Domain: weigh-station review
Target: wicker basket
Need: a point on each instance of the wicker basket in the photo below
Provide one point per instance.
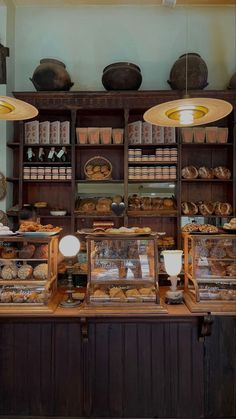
(98, 168)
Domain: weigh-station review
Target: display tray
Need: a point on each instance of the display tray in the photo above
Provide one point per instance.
(229, 230)
(118, 234)
(38, 233)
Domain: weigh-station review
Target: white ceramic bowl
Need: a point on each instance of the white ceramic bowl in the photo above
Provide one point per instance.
(58, 213)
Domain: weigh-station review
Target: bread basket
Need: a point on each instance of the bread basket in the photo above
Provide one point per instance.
(98, 168)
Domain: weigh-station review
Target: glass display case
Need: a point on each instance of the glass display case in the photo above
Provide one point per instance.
(210, 272)
(122, 269)
(28, 274)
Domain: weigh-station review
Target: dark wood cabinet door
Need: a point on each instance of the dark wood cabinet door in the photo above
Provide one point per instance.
(220, 369)
(40, 368)
(145, 369)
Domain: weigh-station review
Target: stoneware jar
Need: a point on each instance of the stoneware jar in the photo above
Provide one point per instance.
(51, 74)
(122, 76)
(197, 73)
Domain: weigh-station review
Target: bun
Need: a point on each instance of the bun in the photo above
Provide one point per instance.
(189, 208)
(103, 205)
(8, 253)
(9, 272)
(221, 172)
(100, 293)
(41, 252)
(135, 203)
(25, 272)
(168, 203)
(27, 251)
(157, 203)
(116, 292)
(189, 172)
(205, 173)
(231, 270)
(41, 271)
(87, 206)
(147, 203)
(132, 293)
(206, 208)
(218, 269)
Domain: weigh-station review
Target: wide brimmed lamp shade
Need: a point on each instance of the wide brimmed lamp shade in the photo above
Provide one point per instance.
(12, 109)
(188, 112)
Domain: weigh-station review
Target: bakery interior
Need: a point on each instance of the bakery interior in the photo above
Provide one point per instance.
(117, 209)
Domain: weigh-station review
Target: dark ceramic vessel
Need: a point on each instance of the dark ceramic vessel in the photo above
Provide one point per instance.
(122, 76)
(51, 74)
(196, 76)
(232, 82)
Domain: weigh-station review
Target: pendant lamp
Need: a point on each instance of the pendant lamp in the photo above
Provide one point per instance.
(187, 111)
(12, 109)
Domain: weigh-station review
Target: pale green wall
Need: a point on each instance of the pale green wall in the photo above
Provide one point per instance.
(87, 38)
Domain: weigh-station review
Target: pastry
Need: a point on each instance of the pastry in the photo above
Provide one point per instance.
(157, 203)
(190, 227)
(9, 272)
(103, 205)
(189, 208)
(207, 228)
(230, 252)
(117, 199)
(87, 206)
(205, 173)
(135, 203)
(100, 293)
(133, 292)
(206, 208)
(25, 272)
(218, 268)
(146, 203)
(41, 271)
(218, 252)
(18, 296)
(27, 251)
(116, 292)
(147, 291)
(231, 270)
(8, 253)
(168, 203)
(222, 172)
(189, 172)
(41, 252)
(6, 297)
(223, 208)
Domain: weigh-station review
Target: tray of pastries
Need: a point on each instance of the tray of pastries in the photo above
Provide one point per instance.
(123, 294)
(31, 228)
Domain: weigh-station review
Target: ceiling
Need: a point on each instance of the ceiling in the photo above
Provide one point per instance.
(117, 2)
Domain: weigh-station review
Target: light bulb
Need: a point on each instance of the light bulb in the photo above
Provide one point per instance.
(186, 117)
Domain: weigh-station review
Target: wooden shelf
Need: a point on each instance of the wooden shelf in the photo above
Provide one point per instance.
(152, 163)
(47, 145)
(46, 163)
(206, 216)
(98, 216)
(47, 181)
(175, 145)
(214, 145)
(12, 179)
(207, 180)
(152, 181)
(22, 259)
(100, 181)
(110, 146)
(13, 144)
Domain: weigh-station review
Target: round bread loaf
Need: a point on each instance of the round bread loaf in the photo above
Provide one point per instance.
(205, 172)
(222, 172)
(189, 172)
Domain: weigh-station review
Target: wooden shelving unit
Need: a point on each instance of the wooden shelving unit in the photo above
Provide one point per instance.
(116, 110)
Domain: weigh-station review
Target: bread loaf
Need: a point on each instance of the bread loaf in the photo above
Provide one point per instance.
(206, 208)
(189, 208)
(205, 173)
(223, 208)
(27, 251)
(25, 272)
(221, 172)
(189, 172)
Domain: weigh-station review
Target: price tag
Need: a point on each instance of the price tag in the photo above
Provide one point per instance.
(60, 154)
(203, 261)
(30, 153)
(50, 154)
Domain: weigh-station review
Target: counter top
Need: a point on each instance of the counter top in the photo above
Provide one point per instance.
(83, 310)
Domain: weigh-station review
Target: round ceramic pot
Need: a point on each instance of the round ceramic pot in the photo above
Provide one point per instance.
(51, 74)
(196, 75)
(122, 76)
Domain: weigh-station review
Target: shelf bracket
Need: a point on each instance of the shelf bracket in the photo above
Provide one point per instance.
(205, 326)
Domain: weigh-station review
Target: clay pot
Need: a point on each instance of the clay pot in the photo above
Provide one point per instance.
(122, 76)
(197, 73)
(232, 82)
(51, 74)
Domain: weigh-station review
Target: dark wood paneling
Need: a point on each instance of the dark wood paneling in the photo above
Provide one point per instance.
(154, 368)
(220, 369)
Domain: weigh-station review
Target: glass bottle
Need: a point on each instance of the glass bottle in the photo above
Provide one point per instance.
(52, 155)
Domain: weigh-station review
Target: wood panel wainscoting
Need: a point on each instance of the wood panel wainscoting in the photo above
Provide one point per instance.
(117, 367)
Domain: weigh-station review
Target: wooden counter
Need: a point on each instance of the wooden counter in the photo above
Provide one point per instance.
(81, 363)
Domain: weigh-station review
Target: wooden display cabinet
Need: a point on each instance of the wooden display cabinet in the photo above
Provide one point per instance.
(28, 291)
(210, 272)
